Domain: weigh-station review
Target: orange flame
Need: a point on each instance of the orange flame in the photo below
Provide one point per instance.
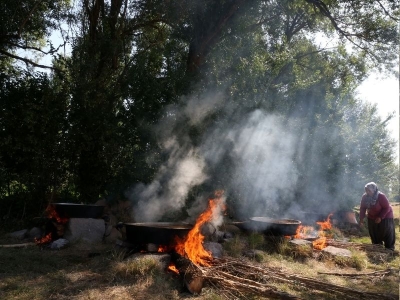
(44, 240)
(52, 214)
(326, 224)
(192, 245)
(304, 231)
(172, 268)
(162, 249)
(321, 242)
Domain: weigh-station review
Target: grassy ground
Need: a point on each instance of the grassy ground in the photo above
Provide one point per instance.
(102, 271)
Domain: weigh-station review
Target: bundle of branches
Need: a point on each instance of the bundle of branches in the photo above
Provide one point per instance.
(236, 278)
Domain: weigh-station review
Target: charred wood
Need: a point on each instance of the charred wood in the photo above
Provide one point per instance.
(191, 275)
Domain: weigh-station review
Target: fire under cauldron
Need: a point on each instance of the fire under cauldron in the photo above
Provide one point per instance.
(160, 233)
(310, 218)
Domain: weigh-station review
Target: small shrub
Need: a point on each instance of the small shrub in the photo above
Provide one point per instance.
(234, 247)
(283, 247)
(260, 256)
(359, 260)
(256, 240)
(297, 252)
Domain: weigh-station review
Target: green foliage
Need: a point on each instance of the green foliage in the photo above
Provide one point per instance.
(32, 142)
(25, 25)
(87, 130)
(235, 246)
(255, 240)
(359, 260)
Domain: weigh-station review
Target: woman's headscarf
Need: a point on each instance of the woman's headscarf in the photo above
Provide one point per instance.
(373, 188)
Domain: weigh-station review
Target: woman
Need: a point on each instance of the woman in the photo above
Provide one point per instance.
(379, 215)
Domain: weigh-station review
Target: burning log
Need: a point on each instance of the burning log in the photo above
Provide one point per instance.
(191, 275)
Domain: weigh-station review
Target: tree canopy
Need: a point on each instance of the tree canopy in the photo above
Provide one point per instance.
(161, 101)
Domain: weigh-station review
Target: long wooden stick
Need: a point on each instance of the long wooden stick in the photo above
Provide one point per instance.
(358, 274)
(17, 245)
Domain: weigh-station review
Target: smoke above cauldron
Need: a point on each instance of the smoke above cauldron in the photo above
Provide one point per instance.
(252, 159)
(185, 166)
(261, 150)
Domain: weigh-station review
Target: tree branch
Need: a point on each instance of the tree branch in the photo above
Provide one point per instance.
(28, 61)
(324, 10)
(21, 27)
(55, 50)
(386, 12)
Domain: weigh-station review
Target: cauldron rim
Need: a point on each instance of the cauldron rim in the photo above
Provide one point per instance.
(77, 204)
(276, 221)
(76, 210)
(166, 225)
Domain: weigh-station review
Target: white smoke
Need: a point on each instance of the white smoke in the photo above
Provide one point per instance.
(262, 149)
(184, 168)
(168, 191)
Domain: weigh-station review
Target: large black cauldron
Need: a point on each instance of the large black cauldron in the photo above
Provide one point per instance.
(75, 210)
(161, 233)
(279, 227)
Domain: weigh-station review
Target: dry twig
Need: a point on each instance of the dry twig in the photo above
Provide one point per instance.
(237, 277)
(375, 273)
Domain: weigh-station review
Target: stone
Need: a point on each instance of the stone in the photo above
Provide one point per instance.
(337, 251)
(20, 234)
(215, 249)
(85, 229)
(58, 244)
(207, 229)
(35, 233)
(220, 236)
(301, 242)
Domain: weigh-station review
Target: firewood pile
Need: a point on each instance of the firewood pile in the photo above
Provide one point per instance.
(235, 278)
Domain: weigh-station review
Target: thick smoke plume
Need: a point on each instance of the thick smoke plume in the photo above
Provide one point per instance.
(252, 158)
(262, 151)
(185, 167)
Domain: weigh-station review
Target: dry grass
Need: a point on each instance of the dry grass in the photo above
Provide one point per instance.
(103, 272)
